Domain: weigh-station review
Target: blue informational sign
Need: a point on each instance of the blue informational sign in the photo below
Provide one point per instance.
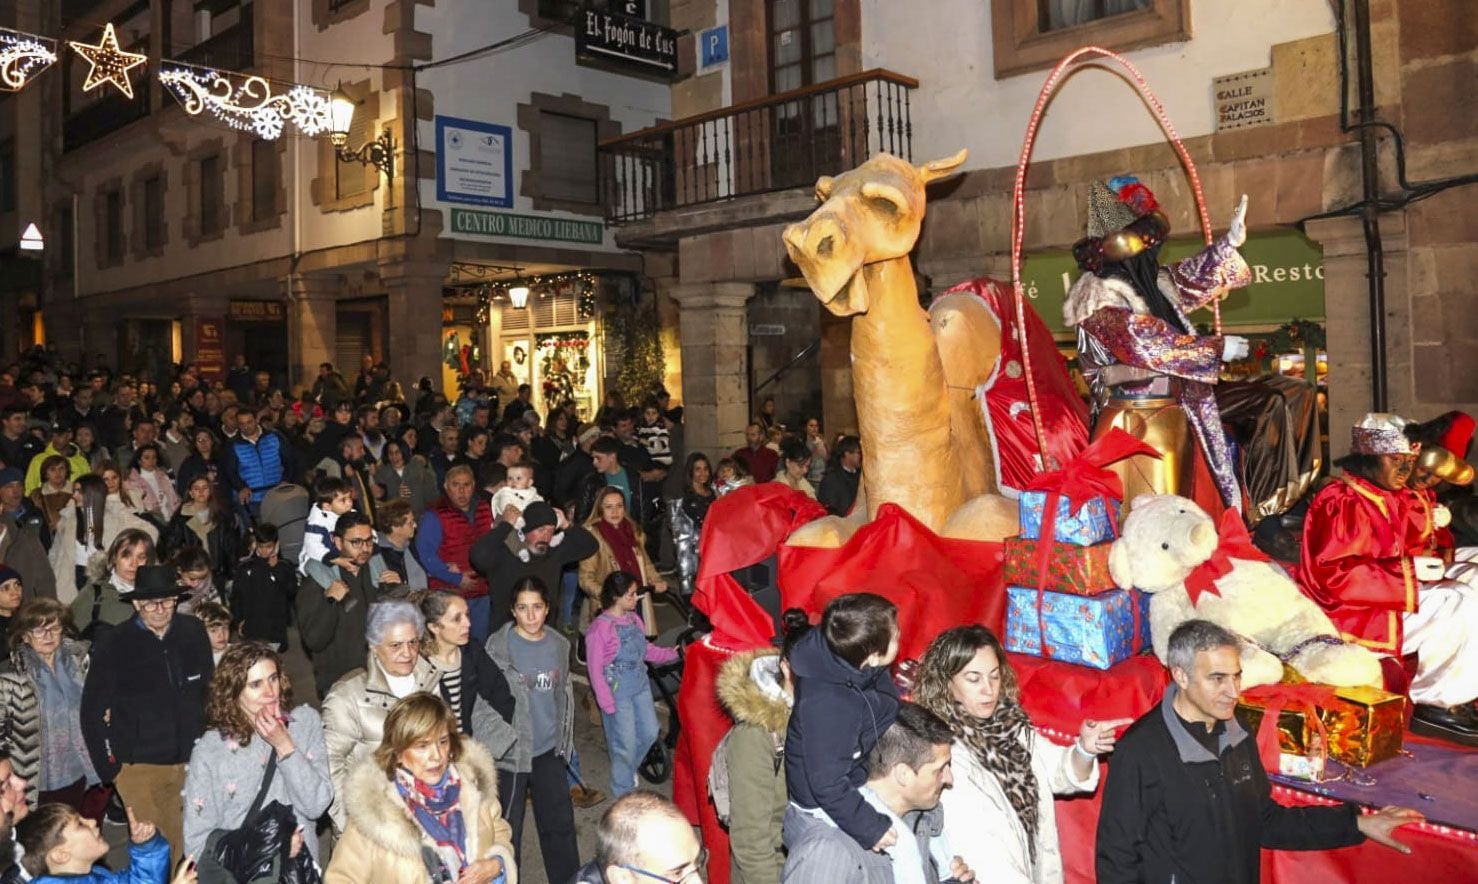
(713, 46)
(474, 162)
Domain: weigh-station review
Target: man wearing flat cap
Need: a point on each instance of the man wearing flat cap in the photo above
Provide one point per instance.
(1363, 565)
(525, 545)
(143, 704)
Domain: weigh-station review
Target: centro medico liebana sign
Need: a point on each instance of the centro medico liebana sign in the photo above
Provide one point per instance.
(527, 226)
(1287, 281)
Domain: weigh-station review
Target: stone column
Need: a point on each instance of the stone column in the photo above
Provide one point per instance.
(1348, 326)
(715, 371)
(414, 334)
(312, 324)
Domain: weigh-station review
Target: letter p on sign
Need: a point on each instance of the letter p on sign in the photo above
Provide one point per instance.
(713, 46)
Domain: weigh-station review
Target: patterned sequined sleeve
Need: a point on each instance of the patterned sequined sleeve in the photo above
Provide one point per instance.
(1145, 341)
(1209, 274)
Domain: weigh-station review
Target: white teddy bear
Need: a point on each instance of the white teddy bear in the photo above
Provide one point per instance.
(1166, 537)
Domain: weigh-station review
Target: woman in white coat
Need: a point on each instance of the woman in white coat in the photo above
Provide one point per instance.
(998, 815)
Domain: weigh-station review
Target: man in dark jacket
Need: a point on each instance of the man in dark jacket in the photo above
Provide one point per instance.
(520, 547)
(143, 704)
(643, 837)
(333, 601)
(1187, 798)
(605, 453)
(838, 490)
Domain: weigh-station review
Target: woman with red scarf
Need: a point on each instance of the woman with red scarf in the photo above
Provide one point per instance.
(621, 548)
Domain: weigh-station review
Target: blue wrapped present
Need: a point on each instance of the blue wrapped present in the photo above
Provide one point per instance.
(1093, 522)
(1096, 631)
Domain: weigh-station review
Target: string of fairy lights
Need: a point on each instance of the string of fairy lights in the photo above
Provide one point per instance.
(242, 101)
(517, 291)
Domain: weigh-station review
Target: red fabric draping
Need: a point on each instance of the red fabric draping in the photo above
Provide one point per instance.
(743, 528)
(1060, 696)
(1008, 411)
(936, 582)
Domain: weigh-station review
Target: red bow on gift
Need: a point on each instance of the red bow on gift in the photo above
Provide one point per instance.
(1085, 477)
(1233, 542)
(1274, 697)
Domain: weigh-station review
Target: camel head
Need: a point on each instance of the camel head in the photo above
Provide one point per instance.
(869, 214)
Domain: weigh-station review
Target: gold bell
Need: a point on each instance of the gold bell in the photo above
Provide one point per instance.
(1445, 465)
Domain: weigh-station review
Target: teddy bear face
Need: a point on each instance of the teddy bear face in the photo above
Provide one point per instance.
(1164, 538)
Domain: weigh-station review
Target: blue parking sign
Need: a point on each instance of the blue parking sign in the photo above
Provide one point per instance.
(713, 46)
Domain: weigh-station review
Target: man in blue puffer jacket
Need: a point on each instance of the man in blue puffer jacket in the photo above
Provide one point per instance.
(256, 461)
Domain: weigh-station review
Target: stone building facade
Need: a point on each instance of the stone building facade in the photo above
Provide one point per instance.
(166, 226)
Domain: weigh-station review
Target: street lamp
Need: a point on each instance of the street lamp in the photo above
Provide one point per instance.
(519, 295)
(379, 153)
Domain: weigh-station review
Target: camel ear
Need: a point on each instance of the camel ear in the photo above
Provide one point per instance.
(936, 169)
(1120, 564)
(823, 188)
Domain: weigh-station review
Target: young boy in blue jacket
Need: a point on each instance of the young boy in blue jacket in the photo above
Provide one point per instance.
(61, 846)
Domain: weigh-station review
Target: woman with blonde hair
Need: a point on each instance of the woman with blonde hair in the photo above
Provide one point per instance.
(621, 546)
(424, 807)
(999, 815)
(252, 735)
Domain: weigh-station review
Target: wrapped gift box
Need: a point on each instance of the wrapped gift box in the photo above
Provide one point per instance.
(1077, 570)
(1096, 631)
(1093, 522)
(1364, 724)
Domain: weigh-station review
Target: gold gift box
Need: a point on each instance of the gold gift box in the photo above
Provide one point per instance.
(1364, 725)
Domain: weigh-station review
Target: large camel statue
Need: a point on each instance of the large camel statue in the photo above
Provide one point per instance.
(914, 374)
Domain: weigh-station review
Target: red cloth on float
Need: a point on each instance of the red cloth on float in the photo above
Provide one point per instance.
(743, 528)
(1356, 562)
(1008, 417)
(936, 582)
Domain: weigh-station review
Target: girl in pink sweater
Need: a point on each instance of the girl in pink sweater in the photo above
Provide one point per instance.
(616, 652)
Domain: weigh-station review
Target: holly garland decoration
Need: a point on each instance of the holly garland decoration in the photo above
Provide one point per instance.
(1296, 336)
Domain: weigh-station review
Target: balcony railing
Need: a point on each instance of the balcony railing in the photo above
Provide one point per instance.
(232, 49)
(773, 143)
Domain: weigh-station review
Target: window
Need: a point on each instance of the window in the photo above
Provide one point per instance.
(567, 160)
(1034, 34)
(212, 195)
(153, 213)
(7, 175)
(113, 226)
(803, 43)
(265, 175)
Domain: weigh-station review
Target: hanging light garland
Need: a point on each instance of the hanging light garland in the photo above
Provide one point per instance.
(246, 102)
(110, 64)
(540, 285)
(23, 55)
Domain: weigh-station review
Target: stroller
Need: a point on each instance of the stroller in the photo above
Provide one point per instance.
(665, 680)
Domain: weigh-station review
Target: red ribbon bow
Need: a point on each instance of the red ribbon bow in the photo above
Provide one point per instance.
(1233, 542)
(1274, 697)
(1085, 477)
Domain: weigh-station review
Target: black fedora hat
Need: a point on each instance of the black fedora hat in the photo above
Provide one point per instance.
(155, 582)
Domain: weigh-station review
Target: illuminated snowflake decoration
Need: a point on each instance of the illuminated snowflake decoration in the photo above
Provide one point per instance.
(246, 102)
(22, 56)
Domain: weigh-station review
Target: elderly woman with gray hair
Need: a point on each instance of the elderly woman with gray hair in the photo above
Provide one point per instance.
(356, 706)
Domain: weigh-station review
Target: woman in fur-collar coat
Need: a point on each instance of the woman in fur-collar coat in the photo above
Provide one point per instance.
(755, 688)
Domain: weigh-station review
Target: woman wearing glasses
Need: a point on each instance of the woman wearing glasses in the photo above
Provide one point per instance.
(354, 710)
(40, 708)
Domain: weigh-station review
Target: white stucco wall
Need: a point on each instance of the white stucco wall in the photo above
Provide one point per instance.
(946, 45)
(489, 89)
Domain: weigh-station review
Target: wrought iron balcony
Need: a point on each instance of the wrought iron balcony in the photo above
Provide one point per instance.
(773, 143)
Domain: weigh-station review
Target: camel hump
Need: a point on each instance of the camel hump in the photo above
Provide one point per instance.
(968, 337)
(989, 517)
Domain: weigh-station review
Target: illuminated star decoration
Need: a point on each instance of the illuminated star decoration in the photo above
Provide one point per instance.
(246, 102)
(110, 64)
(22, 55)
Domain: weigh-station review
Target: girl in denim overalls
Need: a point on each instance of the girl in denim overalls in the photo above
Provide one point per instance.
(616, 652)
